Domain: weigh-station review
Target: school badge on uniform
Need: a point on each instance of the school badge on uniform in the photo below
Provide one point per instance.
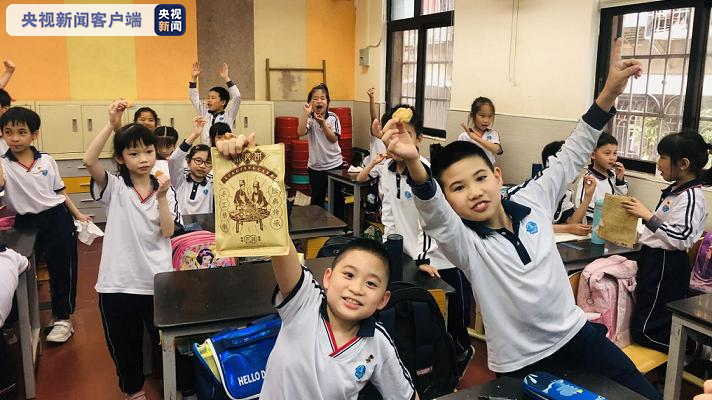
(532, 228)
(360, 371)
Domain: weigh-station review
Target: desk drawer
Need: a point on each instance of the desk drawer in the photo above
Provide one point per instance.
(77, 184)
(84, 200)
(71, 168)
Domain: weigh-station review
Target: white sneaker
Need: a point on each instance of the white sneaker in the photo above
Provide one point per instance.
(61, 331)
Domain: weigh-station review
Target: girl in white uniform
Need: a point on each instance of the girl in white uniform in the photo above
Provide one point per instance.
(140, 222)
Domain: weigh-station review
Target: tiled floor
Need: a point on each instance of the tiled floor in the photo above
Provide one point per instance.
(82, 368)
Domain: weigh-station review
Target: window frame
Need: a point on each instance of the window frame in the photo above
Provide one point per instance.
(696, 65)
(420, 23)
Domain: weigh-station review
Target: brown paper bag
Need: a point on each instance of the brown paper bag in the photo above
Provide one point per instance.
(617, 225)
(251, 203)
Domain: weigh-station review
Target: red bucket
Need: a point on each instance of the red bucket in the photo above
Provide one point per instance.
(300, 145)
(284, 122)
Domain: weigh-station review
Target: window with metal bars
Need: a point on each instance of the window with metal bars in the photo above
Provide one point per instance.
(419, 59)
(670, 38)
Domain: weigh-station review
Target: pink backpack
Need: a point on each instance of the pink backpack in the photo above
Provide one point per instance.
(701, 277)
(605, 294)
(196, 250)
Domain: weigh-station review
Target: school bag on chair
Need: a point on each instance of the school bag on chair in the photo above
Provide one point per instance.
(701, 277)
(414, 322)
(196, 250)
(333, 246)
(605, 293)
(231, 364)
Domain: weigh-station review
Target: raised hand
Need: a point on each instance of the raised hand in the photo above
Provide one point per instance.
(195, 72)
(589, 187)
(163, 184)
(377, 158)
(620, 170)
(116, 110)
(471, 132)
(9, 66)
(619, 71)
(371, 92)
(232, 146)
(399, 141)
(308, 109)
(224, 72)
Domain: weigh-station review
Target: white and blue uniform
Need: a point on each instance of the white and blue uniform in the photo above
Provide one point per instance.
(193, 197)
(489, 135)
(306, 363)
(604, 184)
(227, 115)
(664, 267)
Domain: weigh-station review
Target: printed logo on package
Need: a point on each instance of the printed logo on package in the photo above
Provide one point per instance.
(251, 203)
(169, 20)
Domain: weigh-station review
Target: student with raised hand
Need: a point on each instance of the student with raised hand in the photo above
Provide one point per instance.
(506, 247)
(140, 214)
(478, 129)
(9, 70)
(193, 185)
(376, 145)
(330, 345)
(221, 106)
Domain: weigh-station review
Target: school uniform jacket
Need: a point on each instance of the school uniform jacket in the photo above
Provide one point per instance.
(604, 184)
(193, 197)
(519, 279)
(399, 215)
(679, 218)
(227, 116)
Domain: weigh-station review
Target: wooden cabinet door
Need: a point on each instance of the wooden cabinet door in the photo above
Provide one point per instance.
(258, 118)
(94, 118)
(61, 128)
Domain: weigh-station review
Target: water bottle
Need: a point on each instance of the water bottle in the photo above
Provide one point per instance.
(597, 212)
(394, 245)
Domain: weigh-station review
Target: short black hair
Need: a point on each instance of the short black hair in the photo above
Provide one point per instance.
(606, 138)
(5, 98)
(131, 135)
(142, 110)
(478, 103)
(166, 135)
(219, 128)
(370, 246)
(20, 115)
(550, 150)
(197, 148)
(223, 93)
(416, 120)
(454, 152)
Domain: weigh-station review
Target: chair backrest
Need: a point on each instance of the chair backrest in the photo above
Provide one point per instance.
(574, 281)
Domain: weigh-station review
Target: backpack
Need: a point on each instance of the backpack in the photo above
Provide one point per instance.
(605, 293)
(196, 250)
(231, 364)
(372, 203)
(414, 322)
(701, 277)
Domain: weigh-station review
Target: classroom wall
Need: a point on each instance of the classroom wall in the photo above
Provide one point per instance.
(94, 68)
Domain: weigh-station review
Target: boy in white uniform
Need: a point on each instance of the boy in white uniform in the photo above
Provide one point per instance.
(506, 247)
(222, 105)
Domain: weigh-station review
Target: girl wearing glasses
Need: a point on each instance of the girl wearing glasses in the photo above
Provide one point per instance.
(194, 184)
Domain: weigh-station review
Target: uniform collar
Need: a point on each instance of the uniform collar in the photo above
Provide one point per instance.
(688, 185)
(515, 210)
(189, 178)
(366, 328)
(597, 174)
(35, 154)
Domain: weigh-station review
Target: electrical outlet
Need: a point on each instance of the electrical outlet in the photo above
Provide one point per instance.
(363, 57)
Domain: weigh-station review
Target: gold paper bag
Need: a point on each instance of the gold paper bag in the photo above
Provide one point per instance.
(617, 225)
(251, 203)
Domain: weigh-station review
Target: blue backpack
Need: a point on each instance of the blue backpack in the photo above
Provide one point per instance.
(232, 363)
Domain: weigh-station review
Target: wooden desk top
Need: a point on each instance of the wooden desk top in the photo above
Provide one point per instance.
(303, 219)
(233, 293)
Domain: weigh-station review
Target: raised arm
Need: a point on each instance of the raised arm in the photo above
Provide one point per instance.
(588, 184)
(165, 216)
(91, 157)
(364, 176)
(193, 87)
(372, 106)
(9, 70)
(234, 104)
(303, 119)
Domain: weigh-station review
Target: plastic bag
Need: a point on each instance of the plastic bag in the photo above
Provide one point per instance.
(251, 203)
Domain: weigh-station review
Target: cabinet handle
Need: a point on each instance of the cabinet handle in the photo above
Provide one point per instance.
(74, 125)
(82, 167)
(90, 125)
(86, 200)
(173, 122)
(245, 123)
(85, 184)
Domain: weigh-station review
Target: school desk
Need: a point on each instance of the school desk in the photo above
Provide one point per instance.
(507, 388)
(28, 309)
(304, 222)
(577, 254)
(691, 314)
(344, 177)
(204, 301)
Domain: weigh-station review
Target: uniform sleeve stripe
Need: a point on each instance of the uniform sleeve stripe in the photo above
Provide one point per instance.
(687, 227)
(381, 329)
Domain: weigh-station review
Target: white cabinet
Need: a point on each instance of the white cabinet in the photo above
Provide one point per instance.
(257, 117)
